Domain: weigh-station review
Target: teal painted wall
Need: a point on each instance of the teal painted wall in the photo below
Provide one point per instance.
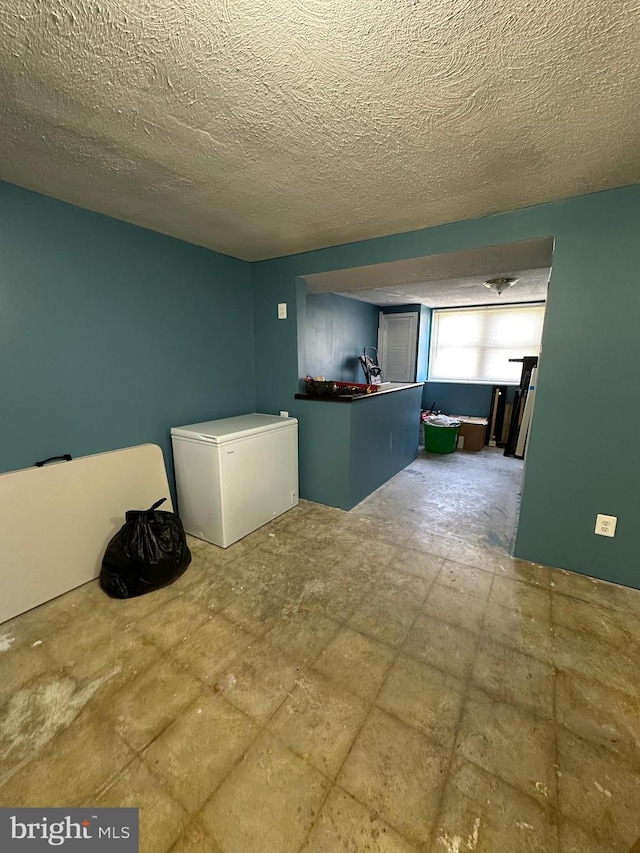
(337, 330)
(424, 339)
(590, 341)
(347, 450)
(324, 443)
(111, 334)
(456, 398)
(384, 440)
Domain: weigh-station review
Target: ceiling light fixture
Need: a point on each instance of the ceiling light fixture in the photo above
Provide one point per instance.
(499, 285)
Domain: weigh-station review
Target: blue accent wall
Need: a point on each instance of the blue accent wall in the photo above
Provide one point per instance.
(424, 340)
(337, 330)
(461, 398)
(347, 450)
(588, 342)
(111, 334)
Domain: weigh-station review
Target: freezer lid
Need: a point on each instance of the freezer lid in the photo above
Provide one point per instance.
(229, 429)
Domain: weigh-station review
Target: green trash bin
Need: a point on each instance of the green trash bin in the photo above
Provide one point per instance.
(440, 439)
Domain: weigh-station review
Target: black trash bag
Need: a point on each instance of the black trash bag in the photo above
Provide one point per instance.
(148, 552)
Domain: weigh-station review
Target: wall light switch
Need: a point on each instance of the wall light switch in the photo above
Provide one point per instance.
(282, 310)
(606, 525)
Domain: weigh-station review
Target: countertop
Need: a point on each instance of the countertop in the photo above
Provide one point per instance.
(385, 388)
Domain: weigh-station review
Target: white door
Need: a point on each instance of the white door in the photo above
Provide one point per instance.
(397, 345)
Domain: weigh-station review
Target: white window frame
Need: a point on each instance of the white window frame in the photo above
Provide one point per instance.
(493, 307)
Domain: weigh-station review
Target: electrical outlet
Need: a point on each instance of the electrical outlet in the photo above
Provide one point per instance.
(606, 525)
(284, 414)
(282, 310)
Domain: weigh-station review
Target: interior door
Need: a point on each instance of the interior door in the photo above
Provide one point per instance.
(397, 346)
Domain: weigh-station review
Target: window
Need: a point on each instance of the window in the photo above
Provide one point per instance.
(475, 344)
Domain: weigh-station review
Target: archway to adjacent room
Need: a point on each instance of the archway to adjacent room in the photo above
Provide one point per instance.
(435, 320)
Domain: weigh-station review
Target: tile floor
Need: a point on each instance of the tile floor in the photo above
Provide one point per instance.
(335, 682)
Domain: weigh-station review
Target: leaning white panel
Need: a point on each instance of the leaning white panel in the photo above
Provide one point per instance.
(56, 521)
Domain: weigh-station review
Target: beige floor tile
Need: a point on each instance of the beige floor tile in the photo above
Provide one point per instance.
(523, 597)
(376, 554)
(519, 631)
(423, 697)
(465, 579)
(267, 803)
(196, 839)
(21, 665)
(282, 542)
(212, 647)
(444, 646)
(36, 713)
(259, 680)
(522, 570)
(318, 525)
(437, 546)
(367, 527)
(596, 712)
(509, 743)
(573, 839)
(384, 620)
(419, 563)
(303, 635)
(289, 590)
(590, 657)
(35, 624)
(470, 553)
(622, 598)
(480, 813)
(356, 662)
(198, 749)
(589, 618)
(211, 586)
(333, 597)
(319, 722)
(344, 824)
(403, 587)
(589, 589)
(598, 791)
(131, 610)
(92, 644)
(160, 819)
(455, 607)
(398, 773)
(515, 678)
(168, 625)
(70, 768)
(257, 610)
(111, 680)
(146, 705)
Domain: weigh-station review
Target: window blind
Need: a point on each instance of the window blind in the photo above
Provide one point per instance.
(475, 344)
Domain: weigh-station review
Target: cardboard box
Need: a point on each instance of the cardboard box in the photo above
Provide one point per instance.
(472, 432)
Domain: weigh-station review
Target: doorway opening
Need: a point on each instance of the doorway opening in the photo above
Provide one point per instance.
(469, 326)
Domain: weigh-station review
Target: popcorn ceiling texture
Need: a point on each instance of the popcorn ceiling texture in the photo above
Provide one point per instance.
(265, 127)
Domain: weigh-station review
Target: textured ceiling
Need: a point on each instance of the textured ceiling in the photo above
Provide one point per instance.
(530, 286)
(264, 127)
(448, 280)
(403, 278)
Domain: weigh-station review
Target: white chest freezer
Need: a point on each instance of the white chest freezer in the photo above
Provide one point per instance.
(235, 474)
